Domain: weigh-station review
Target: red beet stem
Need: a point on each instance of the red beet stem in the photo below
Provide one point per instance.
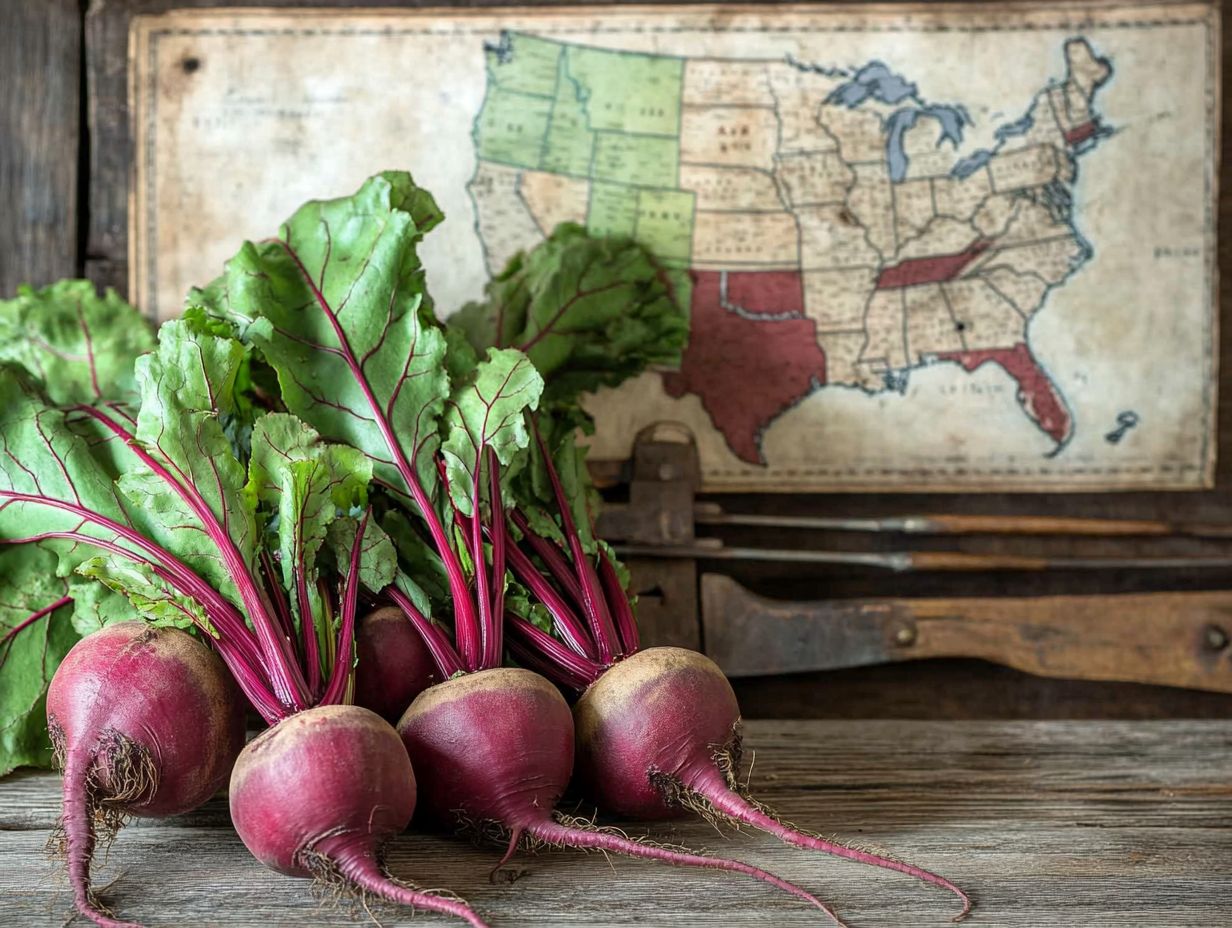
(500, 537)
(570, 629)
(34, 617)
(593, 605)
(553, 650)
(618, 599)
(710, 784)
(554, 833)
(335, 689)
(443, 655)
(551, 555)
(532, 658)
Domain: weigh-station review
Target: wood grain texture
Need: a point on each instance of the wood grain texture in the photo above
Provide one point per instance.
(40, 73)
(1173, 639)
(957, 688)
(1070, 825)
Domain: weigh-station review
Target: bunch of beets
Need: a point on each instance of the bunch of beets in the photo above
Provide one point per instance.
(309, 498)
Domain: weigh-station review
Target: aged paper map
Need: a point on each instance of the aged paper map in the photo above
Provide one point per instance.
(943, 247)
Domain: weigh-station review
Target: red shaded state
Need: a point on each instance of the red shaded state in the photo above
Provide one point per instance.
(746, 372)
(766, 291)
(934, 269)
(1079, 134)
(1036, 393)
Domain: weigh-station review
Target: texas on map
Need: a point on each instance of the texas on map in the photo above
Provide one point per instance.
(816, 239)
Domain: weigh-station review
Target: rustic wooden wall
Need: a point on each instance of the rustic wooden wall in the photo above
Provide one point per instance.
(40, 113)
(64, 173)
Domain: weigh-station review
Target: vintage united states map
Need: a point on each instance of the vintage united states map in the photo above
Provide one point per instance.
(945, 248)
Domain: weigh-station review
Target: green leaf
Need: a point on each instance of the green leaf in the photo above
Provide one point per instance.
(415, 593)
(158, 601)
(531, 489)
(417, 556)
(186, 386)
(28, 583)
(96, 605)
(589, 312)
(488, 413)
(460, 358)
(80, 346)
(338, 306)
(49, 474)
(378, 560)
(306, 482)
(521, 603)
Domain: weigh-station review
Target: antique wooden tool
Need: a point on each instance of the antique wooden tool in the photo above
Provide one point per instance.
(1174, 639)
(710, 513)
(1170, 638)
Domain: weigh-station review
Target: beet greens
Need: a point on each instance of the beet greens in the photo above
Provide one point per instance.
(309, 438)
(78, 347)
(204, 512)
(658, 730)
(337, 305)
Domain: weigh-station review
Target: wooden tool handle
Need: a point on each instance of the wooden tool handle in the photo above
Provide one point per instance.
(1173, 639)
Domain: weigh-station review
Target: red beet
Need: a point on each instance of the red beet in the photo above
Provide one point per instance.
(394, 664)
(145, 721)
(320, 793)
(495, 748)
(659, 733)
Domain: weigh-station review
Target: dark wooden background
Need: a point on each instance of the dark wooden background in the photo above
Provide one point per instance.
(64, 171)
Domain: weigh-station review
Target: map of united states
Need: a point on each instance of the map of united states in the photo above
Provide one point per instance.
(816, 220)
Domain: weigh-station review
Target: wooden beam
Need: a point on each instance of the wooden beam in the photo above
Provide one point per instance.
(1171, 639)
(40, 81)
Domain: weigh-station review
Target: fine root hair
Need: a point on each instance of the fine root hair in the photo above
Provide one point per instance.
(122, 773)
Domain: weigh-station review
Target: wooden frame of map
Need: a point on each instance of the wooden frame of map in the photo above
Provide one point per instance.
(925, 247)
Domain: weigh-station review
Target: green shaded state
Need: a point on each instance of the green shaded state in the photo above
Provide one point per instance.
(645, 160)
(665, 224)
(570, 143)
(523, 64)
(612, 117)
(613, 210)
(629, 91)
(510, 128)
(659, 220)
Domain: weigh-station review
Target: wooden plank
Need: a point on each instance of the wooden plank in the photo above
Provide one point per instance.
(40, 75)
(1175, 639)
(964, 688)
(1067, 824)
(666, 591)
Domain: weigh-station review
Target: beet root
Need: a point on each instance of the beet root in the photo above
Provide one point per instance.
(493, 751)
(144, 721)
(658, 735)
(319, 794)
(394, 664)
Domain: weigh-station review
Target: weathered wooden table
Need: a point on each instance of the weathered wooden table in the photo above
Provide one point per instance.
(1083, 824)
